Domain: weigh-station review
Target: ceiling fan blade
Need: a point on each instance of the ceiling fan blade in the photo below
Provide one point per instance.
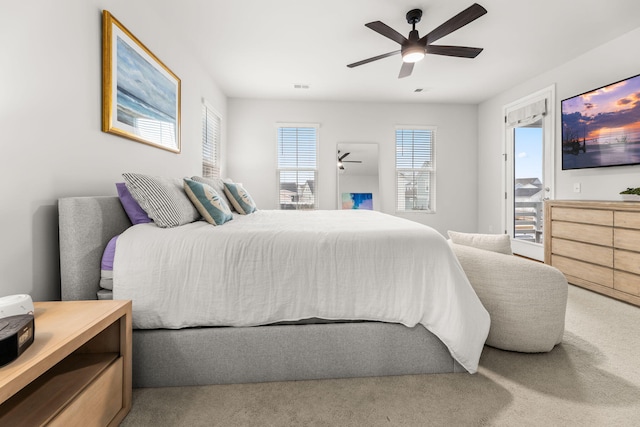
(386, 31)
(375, 58)
(458, 51)
(406, 69)
(352, 161)
(468, 15)
(343, 156)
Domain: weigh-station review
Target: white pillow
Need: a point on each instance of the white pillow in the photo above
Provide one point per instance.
(500, 243)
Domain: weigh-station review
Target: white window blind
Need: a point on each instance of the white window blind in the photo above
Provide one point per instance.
(527, 114)
(297, 166)
(415, 169)
(210, 141)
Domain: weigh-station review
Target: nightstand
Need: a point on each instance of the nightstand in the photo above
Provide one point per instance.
(76, 372)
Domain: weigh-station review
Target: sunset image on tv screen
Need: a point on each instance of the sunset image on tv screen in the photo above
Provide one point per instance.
(602, 127)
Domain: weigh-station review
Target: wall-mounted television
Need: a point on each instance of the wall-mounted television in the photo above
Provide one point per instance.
(602, 127)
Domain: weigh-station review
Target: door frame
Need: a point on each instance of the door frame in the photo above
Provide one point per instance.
(528, 249)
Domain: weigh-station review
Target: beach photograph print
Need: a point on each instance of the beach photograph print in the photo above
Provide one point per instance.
(143, 94)
(602, 127)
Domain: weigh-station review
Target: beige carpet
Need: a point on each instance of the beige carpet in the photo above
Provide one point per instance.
(591, 379)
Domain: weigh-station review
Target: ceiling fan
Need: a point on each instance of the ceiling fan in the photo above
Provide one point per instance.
(414, 48)
(341, 160)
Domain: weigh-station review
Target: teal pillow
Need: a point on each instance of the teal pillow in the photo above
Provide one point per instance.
(208, 202)
(239, 198)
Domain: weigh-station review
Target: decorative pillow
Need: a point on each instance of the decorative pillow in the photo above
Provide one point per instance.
(208, 202)
(106, 265)
(136, 214)
(217, 184)
(239, 198)
(163, 199)
(500, 243)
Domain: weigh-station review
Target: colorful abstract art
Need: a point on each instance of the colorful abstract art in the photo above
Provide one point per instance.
(357, 201)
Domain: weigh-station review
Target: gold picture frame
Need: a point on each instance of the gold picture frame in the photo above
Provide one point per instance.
(140, 95)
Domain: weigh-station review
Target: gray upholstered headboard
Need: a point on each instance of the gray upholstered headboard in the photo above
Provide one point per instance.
(86, 225)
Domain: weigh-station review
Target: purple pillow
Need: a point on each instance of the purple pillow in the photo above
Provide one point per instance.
(136, 214)
(108, 255)
(106, 266)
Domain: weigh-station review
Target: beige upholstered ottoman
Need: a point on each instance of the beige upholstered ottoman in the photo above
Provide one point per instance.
(526, 299)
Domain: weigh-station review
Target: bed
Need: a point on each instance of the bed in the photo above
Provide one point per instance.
(312, 344)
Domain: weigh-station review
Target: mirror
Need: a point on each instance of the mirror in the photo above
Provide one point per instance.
(358, 181)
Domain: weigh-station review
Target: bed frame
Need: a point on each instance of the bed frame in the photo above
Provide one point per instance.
(222, 355)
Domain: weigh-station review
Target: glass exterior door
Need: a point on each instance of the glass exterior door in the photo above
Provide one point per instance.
(529, 169)
(528, 183)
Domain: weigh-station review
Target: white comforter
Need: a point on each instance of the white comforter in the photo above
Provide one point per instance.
(273, 266)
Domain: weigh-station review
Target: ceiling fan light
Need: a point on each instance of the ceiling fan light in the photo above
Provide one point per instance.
(413, 54)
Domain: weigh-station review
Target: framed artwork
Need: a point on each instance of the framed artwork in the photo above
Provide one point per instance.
(357, 201)
(140, 95)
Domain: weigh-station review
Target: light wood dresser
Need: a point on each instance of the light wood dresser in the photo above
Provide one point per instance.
(77, 372)
(596, 244)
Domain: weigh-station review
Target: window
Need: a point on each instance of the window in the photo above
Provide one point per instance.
(210, 141)
(297, 172)
(415, 169)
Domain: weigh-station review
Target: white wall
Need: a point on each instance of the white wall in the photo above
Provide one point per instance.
(252, 150)
(605, 64)
(50, 112)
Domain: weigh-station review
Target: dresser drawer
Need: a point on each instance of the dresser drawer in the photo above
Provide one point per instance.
(626, 239)
(626, 219)
(627, 261)
(583, 233)
(627, 282)
(583, 251)
(585, 216)
(584, 270)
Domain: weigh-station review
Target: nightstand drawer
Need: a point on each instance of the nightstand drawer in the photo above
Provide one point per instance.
(99, 402)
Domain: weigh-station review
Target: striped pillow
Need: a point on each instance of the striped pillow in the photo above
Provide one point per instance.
(239, 198)
(208, 202)
(163, 199)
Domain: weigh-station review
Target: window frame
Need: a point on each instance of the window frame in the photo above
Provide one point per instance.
(207, 109)
(431, 169)
(278, 126)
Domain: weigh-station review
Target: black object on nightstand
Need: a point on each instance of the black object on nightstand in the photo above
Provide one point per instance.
(16, 335)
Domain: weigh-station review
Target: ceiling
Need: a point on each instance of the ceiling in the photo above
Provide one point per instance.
(262, 49)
